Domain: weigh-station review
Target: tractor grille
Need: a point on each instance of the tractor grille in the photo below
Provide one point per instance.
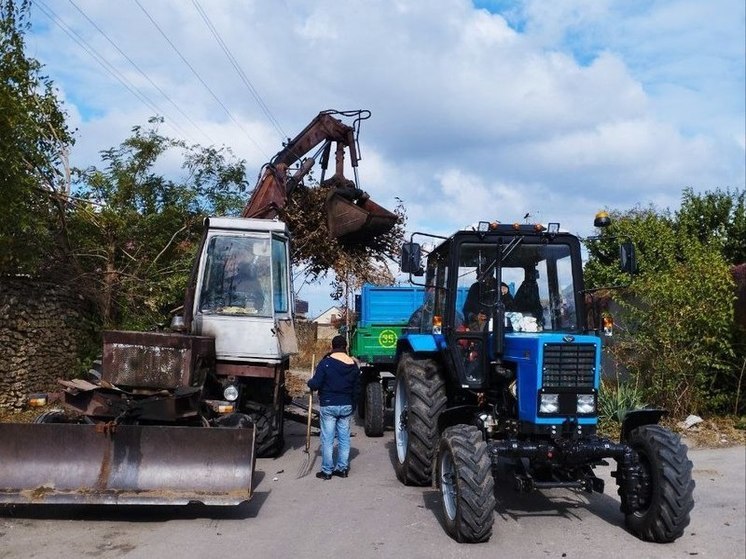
(569, 365)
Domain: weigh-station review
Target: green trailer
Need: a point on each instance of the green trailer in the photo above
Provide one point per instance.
(383, 314)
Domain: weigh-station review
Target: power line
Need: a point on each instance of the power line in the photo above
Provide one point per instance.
(252, 90)
(196, 74)
(47, 11)
(155, 85)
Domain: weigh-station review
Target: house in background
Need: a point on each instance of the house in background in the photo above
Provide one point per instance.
(327, 323)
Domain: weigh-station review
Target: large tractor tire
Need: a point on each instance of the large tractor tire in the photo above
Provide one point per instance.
(419, 400)
(373, 409)
(269, 440)
(666, 485)
(466, 484)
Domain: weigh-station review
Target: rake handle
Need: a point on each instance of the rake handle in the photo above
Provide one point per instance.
(310, 409)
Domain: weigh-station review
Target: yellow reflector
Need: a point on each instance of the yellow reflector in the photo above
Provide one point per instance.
(37, 401)
(223, 408)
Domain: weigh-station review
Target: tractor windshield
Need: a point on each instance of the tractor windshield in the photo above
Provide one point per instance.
(237, 277)
(533, 281)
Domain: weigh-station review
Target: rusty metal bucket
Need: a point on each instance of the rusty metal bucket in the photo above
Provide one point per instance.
(358, 223)
(134, 465)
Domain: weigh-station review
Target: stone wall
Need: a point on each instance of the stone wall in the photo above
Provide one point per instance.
(42, 329)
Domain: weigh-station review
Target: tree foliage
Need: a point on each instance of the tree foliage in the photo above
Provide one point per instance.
(677, 329)
(34, 140)
(717, 218)
(135, 231)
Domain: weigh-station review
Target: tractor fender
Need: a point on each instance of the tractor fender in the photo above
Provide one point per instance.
(636, 418)
(457, 415)
(422, 344)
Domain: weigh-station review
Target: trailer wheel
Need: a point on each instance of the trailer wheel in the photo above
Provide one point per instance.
(374, 409)
(466, 484)
(666, 488)
(419, 400)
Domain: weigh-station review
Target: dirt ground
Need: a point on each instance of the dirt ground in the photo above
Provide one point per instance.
(716, 432)
(295, 382)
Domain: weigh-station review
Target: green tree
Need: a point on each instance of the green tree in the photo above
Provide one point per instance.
(676, 334)
(135, 231)
(34, 142)
(718, 217)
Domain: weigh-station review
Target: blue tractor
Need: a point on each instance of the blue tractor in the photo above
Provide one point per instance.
(510, 377)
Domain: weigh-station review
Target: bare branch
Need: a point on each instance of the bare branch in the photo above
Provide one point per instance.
(170, 242)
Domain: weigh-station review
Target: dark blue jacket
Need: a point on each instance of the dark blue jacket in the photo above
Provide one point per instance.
(338, 383)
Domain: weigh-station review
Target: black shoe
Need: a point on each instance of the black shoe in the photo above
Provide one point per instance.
(323, 475)
(341, 473)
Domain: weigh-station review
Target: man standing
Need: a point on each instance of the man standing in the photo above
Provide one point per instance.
(337, 379)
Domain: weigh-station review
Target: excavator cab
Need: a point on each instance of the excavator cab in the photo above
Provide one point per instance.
(352, 217)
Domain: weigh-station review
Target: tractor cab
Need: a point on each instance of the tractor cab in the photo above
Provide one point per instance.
(491, 288)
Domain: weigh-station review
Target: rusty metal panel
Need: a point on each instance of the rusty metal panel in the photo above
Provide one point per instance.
(156, 359)
(131, 464)
(245, 370)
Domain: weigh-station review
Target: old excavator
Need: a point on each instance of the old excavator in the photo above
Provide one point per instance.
(179, 416)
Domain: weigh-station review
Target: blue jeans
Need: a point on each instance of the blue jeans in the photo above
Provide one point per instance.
(335, 420)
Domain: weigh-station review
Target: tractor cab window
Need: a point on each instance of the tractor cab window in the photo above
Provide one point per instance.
(434, 304)
(238, 276)
(534, 281)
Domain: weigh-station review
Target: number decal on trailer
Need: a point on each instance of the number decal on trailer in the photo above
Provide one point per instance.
(387, 338)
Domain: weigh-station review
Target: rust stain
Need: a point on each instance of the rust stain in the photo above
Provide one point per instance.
(105, 471)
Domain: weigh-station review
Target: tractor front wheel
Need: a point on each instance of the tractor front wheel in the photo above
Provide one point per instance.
(466, 484)
(666, 485)
(268, 426)
(59, 416)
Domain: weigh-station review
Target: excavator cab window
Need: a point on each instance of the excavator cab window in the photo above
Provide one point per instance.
(280, 288)
(238, 277)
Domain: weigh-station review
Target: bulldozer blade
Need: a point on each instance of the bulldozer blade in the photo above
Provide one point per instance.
(125, 465)
(358, 223)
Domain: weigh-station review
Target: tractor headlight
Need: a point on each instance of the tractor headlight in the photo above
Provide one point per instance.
(586, 403)
(549, 403)
(230, 393)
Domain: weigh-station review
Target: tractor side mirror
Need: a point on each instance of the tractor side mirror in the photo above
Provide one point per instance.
(411, 259)
(627, 257)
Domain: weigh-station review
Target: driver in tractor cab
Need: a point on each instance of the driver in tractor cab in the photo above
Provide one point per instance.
(527, 299)
(245, 287)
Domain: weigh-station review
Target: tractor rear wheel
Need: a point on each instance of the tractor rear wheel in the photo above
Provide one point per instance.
(419, 400)
(374, 409)
(666, 485)
(466, 484)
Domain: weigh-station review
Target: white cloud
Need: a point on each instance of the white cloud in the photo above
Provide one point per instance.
(555, 108)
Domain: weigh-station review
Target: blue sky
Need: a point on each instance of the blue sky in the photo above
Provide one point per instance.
(483, 110)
